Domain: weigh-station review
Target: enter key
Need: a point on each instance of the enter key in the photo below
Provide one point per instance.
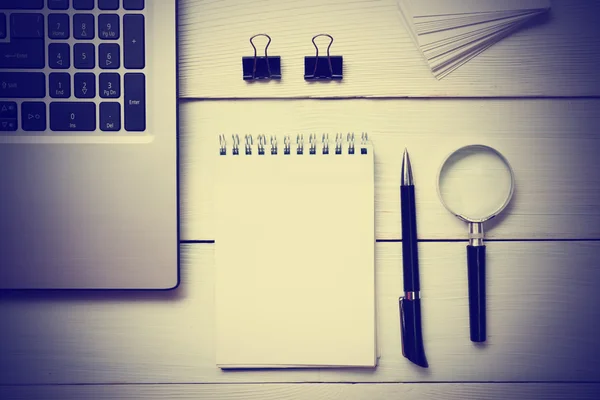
(135, 102)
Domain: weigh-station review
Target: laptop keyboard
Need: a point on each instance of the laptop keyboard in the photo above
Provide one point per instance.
(72, 66)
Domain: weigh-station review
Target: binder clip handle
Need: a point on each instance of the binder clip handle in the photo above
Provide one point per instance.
(266, 56)
(261, 67)
(328, 47)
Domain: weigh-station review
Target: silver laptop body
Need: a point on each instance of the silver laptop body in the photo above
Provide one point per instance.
(95, 209)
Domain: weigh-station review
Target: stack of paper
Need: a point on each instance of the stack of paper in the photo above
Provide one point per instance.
(452, 32)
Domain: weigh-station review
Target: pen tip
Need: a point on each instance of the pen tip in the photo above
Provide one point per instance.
(406, 175)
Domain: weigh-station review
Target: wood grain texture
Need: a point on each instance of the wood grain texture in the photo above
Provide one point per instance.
(553, 146)
(447, 391)
(557, 56)
(543, 308)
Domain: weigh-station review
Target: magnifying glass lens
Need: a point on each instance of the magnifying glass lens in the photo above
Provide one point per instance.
(475, 182)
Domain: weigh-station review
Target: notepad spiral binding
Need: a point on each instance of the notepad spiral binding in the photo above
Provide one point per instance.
(314, 145)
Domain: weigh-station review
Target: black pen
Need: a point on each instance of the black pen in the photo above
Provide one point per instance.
(410, 304)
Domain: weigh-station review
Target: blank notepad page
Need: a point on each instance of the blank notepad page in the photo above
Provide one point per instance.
(294, 249)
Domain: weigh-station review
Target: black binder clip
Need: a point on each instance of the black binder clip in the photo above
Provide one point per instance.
(323, 67)
(263, 67)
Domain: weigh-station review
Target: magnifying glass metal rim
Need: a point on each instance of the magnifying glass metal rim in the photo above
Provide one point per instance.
(506, 201)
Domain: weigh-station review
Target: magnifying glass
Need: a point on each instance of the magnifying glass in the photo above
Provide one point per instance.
(475, 183)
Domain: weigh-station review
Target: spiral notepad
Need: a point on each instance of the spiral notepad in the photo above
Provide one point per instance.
(294, 251)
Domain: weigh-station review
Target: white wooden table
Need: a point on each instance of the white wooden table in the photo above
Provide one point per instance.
(534, 97)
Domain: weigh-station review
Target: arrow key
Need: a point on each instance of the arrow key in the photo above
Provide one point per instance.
(59, 56)
(33, 116)
(85, 85)
(8, 124)
(8, 109)
(109, 56)
(83, 26)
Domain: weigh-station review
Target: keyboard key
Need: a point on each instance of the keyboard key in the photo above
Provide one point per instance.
(33, 116)
(108, 26)
(26, 26)
(8, 109)
(83, 26)
(22, 53)
(85, 85)
(135, 102)
(69, 116)
(58, 4)
(108, 4)
(108, 56)
(84, 55)
(133, 4)
(8, 124)
(8, 116)
(59, 26)
(59, 56)
(83, 4)
(110, 116)
(2, 26)
(110, 85)
(22, 85)
(21, 4)
(133, 41)
(60, 85)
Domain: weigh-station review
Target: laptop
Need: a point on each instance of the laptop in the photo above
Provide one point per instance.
(88, 144)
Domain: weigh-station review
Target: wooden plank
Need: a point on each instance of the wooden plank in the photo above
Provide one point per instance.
(556, 57)
(542, 306)
(448, 391)
(552, 145)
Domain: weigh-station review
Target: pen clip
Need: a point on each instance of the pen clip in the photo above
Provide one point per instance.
(402, 325)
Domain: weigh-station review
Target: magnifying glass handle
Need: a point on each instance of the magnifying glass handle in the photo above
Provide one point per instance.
(476, 277)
